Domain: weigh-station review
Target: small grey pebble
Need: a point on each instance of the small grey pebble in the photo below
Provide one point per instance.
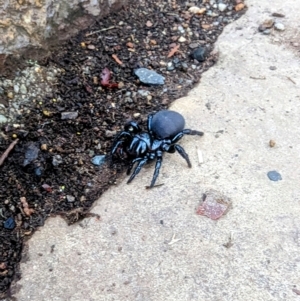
(279, 26)
(149, 77)
(70, 198)
(274, 175)
(56, 160)
(69, 115)
(273, 67)
(98, 160)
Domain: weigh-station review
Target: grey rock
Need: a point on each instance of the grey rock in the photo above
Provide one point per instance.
(222, 6)
(70, 198)
(31, 154)
(109, 133)
(56, 160)
(3, 119)
(69, 115)
(149, 77)
(23, 89)
(143, 93)
(170, 66)
(16, 88)
(98, 160)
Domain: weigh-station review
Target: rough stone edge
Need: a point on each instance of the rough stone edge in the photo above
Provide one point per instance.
(9, 62)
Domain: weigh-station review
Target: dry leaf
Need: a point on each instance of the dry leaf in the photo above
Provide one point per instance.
(130, 45)
(206, 26)
(173, 50)
(114, 56)
(239, 6)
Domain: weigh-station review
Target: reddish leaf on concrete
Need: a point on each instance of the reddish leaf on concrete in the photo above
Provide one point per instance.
(214, 205)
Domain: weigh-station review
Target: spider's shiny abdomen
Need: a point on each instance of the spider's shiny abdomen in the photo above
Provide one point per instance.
(166, 124)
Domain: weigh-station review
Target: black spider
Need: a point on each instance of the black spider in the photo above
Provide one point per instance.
(165, 129)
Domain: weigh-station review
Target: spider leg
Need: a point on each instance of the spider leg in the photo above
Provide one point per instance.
(183, 154)
(186, 132)
(117, 141)
(157, 168)
(131, 165)
(115, 147)
(142, 162)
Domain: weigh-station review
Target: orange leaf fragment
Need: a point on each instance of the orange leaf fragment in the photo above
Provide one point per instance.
(114, 56)
(130, 45)
(239, 6)
(173, 50)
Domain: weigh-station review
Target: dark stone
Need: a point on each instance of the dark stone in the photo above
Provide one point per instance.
(31, 154)
(199, 54)
(9, 223)
(38, 171)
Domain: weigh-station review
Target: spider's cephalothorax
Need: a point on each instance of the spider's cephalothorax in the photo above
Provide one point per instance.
(165, 129)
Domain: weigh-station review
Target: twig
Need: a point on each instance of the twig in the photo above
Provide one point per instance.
(9, 149)
(158, 185)
(291, 80)
(100, 30)
(262, 77)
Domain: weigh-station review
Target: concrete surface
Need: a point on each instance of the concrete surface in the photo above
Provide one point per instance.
(130, 255)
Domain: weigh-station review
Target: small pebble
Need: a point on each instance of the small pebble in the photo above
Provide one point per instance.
(109, 133)
(199, 54)
(38, 171)
(149, 77)
(31, 154)
(98, 160)
(222, 6)
(143, 93)
(273, 68)
(3, 119)
(70, 198)
(274, 176)
(279, 26)
(181, 29)
(181, 39)
(272, 143)
(69, 115)
(9, 223)
(56, 160)
(23, 89)
(170, 66)
(16, 88)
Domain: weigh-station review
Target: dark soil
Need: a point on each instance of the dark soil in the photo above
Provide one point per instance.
(29, 194)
